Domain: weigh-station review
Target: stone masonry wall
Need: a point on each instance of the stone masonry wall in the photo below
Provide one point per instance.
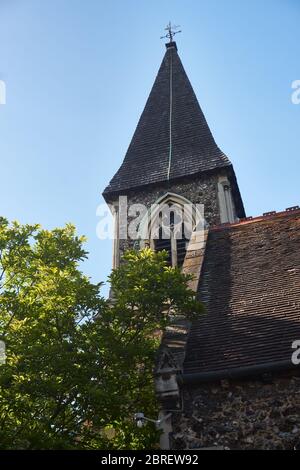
(240, 415)
(202, 190)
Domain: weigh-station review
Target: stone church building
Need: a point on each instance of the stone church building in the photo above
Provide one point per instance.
(226, 381)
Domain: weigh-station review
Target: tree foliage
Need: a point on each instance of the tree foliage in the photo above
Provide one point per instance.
(79, 366)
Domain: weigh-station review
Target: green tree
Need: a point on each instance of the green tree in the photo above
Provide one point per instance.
(78, 366)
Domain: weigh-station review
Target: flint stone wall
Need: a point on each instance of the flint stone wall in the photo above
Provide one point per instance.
(241, 415)
(201, 190)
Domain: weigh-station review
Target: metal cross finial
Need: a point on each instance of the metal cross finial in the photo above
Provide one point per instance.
(172, 30)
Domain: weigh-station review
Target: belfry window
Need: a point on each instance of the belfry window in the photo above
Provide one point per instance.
(168, 225)
(171, 237)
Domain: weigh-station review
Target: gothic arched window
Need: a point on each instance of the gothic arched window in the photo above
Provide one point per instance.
(170, 224)
(171, 236)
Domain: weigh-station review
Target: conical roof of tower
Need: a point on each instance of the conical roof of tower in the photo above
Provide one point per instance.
(172, 139)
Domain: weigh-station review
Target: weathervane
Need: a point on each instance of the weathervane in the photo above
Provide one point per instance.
(172, 30)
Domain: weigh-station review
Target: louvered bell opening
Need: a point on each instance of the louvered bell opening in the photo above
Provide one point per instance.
(163, 243)
(181, 251)
(166, 244)
(181, 246)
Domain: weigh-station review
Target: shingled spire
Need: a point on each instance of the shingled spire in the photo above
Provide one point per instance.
(172, 139)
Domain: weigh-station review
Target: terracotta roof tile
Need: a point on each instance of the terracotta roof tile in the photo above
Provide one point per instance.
(250, 284)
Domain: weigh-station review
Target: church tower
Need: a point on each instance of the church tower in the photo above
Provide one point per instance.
(173, 156)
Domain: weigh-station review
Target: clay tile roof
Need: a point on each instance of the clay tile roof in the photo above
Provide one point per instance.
(250, 284)
(193, 147)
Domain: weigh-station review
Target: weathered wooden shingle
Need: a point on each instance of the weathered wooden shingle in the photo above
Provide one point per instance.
(193, 147)
(250, 284)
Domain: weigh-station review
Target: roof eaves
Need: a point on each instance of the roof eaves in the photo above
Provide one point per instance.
(262, 218)
(237, 373)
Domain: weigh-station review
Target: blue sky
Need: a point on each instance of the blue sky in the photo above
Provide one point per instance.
(78, 73)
